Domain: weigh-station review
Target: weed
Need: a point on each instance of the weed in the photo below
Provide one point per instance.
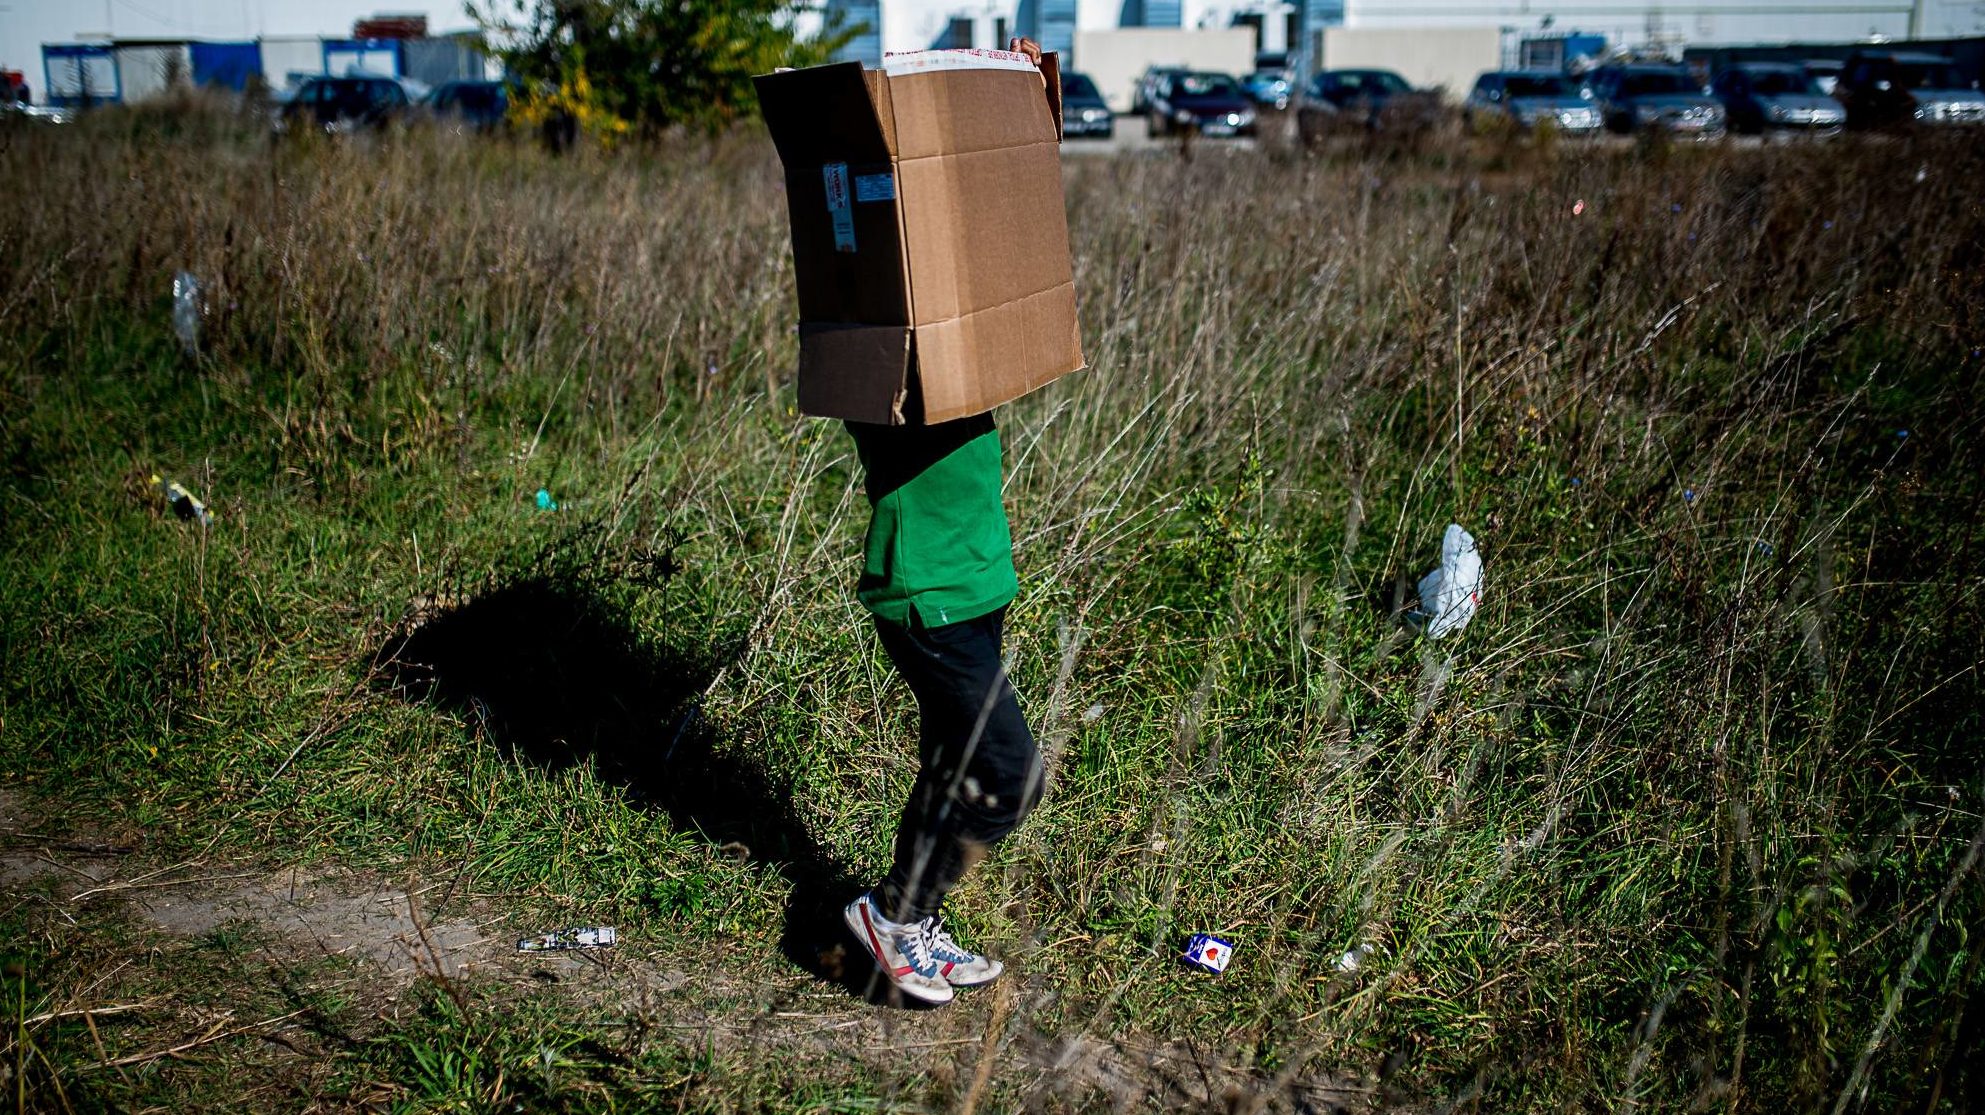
(1684, 819)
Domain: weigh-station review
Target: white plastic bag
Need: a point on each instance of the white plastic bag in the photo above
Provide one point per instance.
(1449, 595)
(186, 309)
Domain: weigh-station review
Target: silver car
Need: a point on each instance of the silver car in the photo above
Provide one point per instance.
(1530, 98)
(1639, 97)
(1776, 97)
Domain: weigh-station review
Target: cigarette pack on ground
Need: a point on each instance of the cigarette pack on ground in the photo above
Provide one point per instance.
(1208, 952)
(578, 937)
(930, 242)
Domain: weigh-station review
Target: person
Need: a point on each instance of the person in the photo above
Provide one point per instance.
(937, 577)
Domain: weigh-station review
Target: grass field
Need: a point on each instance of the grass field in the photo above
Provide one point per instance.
(1688, 819)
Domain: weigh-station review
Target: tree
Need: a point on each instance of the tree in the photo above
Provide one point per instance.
(619, 66)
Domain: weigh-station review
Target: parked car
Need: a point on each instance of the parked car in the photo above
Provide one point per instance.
(1647, 97)
(1207, 103)
(481, 105)
(1083, 110)
(1529, 98)
(1776, 96)
(1269, 88)
(1147, 85)
(1825, 72)
(38, 113)
(1367, 100)
(1352, 90)
(342, 104)
(1888, 89)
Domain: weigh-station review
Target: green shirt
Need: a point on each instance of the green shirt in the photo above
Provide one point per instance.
(939, 550)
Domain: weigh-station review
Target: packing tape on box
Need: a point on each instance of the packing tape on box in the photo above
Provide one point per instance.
(836, 176)
(902, 63)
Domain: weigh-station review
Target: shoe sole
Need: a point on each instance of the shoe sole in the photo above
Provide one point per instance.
(997, 972)
(865, 937)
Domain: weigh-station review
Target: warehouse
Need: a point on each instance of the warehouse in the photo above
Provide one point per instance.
(896, 25)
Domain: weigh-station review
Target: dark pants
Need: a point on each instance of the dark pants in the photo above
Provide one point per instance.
(981, 772)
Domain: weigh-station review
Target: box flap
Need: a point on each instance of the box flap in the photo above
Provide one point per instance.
(1051, 71)
(885, 113)
(953, 112)
(971, 364)
(860, 373)
(848, 258)
(821, 114)
(984, 228)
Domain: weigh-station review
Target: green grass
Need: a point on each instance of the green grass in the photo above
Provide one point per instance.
(1687, 819)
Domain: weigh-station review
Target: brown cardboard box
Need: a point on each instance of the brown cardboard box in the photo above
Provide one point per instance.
(930, 244)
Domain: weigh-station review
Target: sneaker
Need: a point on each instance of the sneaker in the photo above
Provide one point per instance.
(902, 952)
(960, 966)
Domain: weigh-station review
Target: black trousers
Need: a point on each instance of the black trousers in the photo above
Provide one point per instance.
(981, 772)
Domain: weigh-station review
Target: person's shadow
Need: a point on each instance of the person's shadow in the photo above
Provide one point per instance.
(551, 669)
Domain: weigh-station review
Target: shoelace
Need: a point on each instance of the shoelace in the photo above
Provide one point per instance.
(941, 943)
(918, 944)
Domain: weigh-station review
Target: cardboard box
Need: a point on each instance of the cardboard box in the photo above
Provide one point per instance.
(930, 243)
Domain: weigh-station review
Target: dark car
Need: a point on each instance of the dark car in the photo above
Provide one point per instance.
(480, 105)
(1083, 110)
(1652, 97)
(1365, 100)
(1529, 98)
(339, 104)
(1775, 96)
(1890, 89)
(1207, 103)
(1147, 86)
(1349, 90)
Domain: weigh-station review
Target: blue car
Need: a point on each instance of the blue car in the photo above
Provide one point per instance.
(1269, 88)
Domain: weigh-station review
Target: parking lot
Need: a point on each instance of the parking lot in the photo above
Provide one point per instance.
(1131, 136)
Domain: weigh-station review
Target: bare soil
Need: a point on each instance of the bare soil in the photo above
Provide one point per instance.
(378, 939)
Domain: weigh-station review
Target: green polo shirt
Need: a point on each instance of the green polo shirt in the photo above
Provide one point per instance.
(939, 550)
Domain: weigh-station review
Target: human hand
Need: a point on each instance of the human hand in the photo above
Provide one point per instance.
(1028, 47)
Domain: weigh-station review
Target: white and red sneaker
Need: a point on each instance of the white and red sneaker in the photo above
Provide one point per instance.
(903, 952)
(959, 966)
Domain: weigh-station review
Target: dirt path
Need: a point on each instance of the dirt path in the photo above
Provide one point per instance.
(378, 939)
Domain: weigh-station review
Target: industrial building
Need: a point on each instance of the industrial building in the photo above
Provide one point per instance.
(896, 25)
(1430, 42)
(123, 70)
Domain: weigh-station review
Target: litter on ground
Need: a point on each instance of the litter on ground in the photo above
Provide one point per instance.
(1450, 594)
(186, 308)
(1208, 952)
(183, 503)
(579, 937)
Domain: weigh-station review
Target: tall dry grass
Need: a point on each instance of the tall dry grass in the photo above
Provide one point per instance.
(1687, 818)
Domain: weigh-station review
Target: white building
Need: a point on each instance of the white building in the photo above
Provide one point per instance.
(1638, 23)
(922, 24)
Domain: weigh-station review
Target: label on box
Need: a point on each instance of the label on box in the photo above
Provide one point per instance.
(836, 176)
(1208, 952)
(875, 187)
